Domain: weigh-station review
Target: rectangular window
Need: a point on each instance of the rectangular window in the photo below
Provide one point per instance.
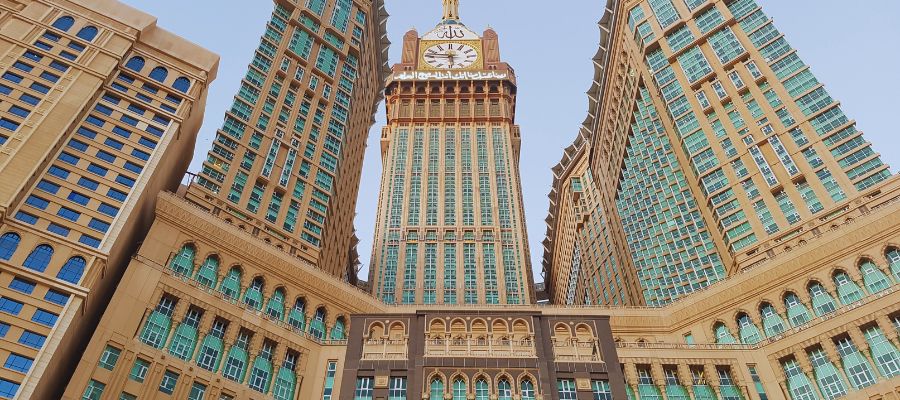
(397, 389)
(18, 363)
(21, 285)
(109, 358)
(168, 382)
(139, 370)
(329, 380)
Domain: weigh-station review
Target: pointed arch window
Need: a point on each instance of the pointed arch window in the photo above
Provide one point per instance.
(64, 23)
(275, 307)
(182, 84)
(885, 354)
(9, 243)
(135, 64)
(856, 366)
(482, 390)
(827, 376)
(527, 389)
(72, 270)
(156, 329)
(317, 325)
(504, 390)
(253, 297)
(798, 384)
(723, 335)
(211, 349)
(39, 258)
(183, 262)
(297, 317)
(286, 381)
(822, 301)
(747, 330)
(874, 279)
(337, 332)
(893, 258)
(231, 285)
(848, 290)
(459, 389)
(159, 74)
(773, 324)
(437, 388)
(88, 33)
(236, 365)
(208, 274)
(797, 312)
(261, 373)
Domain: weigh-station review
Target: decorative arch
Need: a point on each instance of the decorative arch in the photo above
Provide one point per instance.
(520, 326)
(458, 326)
(182, 84)
(772, 322)
(797, 312)
(9, 243)
(527, 387)
(339, 330)
(376, 330)
(822, 300)
(208, 273)
(183, 261)
(479, 326)
(722, 333)
(437, 326)
(88, 33)
(482, 387)
(747, 329)
(253, 296)
(135, 64)
(873, 277)
(892, 256)
(397, 330)
(275, 306)
(231, 283)
(297, 315)
(159, 74)
(39, 258)
(584, 332)
(848, 290)
(436, 386)
(499, 327)
(460, 387)
(317, 325)
(562, 331)
(72, 270)
(64, 23)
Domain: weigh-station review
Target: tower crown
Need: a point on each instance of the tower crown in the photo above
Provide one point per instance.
(451, 12)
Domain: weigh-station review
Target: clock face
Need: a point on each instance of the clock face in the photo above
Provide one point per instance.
(451, 56)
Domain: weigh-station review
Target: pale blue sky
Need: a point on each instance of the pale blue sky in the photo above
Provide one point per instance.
(853, 49)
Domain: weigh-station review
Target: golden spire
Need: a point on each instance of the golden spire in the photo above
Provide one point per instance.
(451, 10)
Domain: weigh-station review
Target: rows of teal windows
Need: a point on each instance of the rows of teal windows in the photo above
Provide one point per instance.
(798, 314)
(674, 388)
(460, 390)
(854, 370)
(284, 387)
(40, 257)
(183, 264)
(210, 352)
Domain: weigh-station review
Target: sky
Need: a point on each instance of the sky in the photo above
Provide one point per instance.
(851, 49)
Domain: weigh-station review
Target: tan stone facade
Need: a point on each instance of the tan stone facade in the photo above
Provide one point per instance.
(100, 112)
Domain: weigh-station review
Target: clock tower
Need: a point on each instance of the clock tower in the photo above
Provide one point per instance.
(450, 226)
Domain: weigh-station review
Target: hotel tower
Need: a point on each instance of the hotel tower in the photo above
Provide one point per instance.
(450, 226)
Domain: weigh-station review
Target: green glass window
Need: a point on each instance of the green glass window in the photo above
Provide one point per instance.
(93, 391)
(482, 390)
(139, 370)
(665, 12)
(198, 391)
(208, 274)
(397, 389)
(848, 290)
(275, 307)
(297, 317)
(602, 391)
(450, 273)
(156, 329)
(797, 312)
(253, 297)
(286, 381)
(874, 279)
(893, 258)
(109, 357)
(185, 339)
(317, 325)
(828, 378)
(674, 389)
(459, 389)
(236, 364)
(798, 384)
(526, 387)
(183, 262)
(329, 380)
(261, 373)
(504, 390)
(723, 336)
(885, 354)
(210, 354)
(647, 390)
(855, 364)
(168, 382)
(471, 274)
(773, 324)
(822, 301)
(337, 331)
(364, 390)
(694, 64)
(231, 285)
(747, 330)
(409, 273)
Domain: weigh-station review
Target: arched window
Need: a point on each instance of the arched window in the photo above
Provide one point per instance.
(297, 317)
(773, 324)
(459, 389)
(212, 347)
(893, 258)
(183, 262)
(317, 326)
(286, 381)
(208, 274)
(253, 298)
(723, 336)
(885, 354)
(874, 279)
(275, 308)
(185, 339)
(822, 301)
(527, 389)
(848, 290)
(231, 285)
(482, 390)
(337, 332)
(747, 330)
(236, 363)
(437, 389)
(797, 312)
(73, 270)
(9, 242)
(182, 84)
(504, 390)
(39, 258)
(88, 33)
(135, 64)
(261, 373)
(64, 23)
(159, 74)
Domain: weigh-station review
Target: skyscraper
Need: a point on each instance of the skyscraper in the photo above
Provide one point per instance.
(731, 144)
(100, 111)
(287, 161)
(450, 226)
